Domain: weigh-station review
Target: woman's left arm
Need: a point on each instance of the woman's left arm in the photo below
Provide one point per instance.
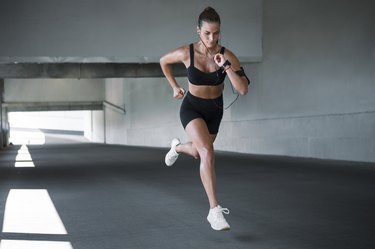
(230, 63)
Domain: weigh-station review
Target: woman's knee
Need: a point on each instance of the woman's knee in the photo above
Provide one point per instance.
(206, 151)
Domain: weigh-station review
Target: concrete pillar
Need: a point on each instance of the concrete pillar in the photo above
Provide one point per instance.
(4, 127)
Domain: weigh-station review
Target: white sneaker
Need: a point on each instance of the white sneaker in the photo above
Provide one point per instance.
(216, 218)
(172, 155)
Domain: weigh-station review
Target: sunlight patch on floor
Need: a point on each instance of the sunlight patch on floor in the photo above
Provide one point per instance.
(31, 211)
(34, 244)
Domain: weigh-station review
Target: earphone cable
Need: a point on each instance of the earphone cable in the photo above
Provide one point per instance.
(218, 78)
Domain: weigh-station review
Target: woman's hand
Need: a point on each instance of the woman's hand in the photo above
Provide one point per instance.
(219, 59)
(178, 92)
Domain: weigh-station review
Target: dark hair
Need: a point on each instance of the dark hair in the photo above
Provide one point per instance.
(209, 14)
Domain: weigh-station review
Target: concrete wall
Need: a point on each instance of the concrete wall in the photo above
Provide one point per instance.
(151, 117)
(311, 96)
(118, 30)
(94, 126)
(53, 90)
(97, 120)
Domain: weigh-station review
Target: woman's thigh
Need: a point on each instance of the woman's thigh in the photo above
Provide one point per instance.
(199, 134)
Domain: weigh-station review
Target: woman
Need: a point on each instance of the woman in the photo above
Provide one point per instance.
(207, 64)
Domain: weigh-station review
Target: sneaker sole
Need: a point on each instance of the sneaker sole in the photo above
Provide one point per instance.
(216, 229)
(224, 229)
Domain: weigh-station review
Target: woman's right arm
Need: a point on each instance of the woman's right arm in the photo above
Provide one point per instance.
(176, 56)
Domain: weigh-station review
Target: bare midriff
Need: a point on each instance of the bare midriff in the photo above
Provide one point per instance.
(206, 92)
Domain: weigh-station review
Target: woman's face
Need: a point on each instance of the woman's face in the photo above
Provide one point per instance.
(209, 33)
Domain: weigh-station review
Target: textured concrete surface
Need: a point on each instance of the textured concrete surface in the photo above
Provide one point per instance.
(125, 197)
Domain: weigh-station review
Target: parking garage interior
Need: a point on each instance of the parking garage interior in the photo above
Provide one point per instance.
(87, 117)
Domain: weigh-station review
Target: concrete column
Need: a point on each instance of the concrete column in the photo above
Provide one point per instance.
(4, 127)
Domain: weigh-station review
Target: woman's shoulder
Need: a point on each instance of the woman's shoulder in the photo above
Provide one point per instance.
(182, 51)
(227, 51)
(229, 54)
(184, 47)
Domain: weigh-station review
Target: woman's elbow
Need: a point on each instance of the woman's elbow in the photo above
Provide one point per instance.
(163, 64)
(243, 90)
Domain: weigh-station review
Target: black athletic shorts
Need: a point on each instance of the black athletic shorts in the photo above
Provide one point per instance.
(210, 110)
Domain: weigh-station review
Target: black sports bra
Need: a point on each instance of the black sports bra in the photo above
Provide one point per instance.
(197, 77)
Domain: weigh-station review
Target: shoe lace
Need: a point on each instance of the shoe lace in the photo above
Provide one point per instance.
(224, 210)
(219, 213)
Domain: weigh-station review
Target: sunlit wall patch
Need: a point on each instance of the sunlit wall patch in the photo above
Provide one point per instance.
(30, 136)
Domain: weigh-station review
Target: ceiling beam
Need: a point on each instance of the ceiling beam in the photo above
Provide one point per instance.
(86, 70)
(51, 106)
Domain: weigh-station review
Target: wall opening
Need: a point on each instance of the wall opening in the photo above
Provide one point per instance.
(49, 127)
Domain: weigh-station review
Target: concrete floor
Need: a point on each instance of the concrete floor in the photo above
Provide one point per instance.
(111, 196)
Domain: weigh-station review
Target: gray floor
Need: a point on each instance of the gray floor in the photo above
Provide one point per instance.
(124, 197)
